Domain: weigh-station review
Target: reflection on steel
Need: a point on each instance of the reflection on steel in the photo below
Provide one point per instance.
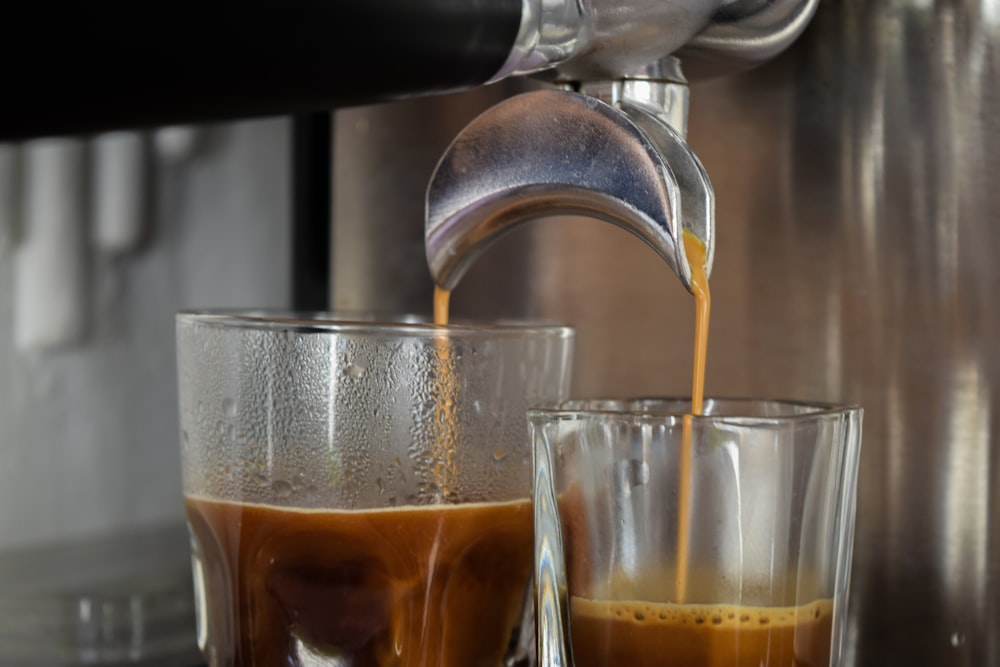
(594, 40)
(863, 244)
(745, 33)
(556, 153)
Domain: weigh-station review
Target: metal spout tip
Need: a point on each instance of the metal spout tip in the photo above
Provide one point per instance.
(552, 153)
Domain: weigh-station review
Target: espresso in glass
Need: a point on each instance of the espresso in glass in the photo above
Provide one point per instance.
(638, 634)
(440, 586)
(693, 533)
(358, 493)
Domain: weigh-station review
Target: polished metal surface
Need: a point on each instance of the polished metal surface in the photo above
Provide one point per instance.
(617, 37)
(550, 33)
(661, 97)
(856, 261)
(383, 156)
(744, 34)
(549, 153)
(594, 40)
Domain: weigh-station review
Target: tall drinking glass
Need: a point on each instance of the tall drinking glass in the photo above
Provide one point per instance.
(358, 493)
(721, 540)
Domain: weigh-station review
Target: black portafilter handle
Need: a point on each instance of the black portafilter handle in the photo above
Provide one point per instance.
(72, 67)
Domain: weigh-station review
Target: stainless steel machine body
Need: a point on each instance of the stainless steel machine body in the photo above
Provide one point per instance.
(855, 261)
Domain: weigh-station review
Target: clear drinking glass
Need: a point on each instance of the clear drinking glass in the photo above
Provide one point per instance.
(709, 541)
(358, 493)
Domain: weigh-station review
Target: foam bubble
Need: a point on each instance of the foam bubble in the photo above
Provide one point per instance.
(710, 617)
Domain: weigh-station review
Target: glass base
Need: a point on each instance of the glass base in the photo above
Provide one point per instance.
(124, 599)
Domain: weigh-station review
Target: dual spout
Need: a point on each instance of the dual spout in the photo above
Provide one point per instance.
(613, 151)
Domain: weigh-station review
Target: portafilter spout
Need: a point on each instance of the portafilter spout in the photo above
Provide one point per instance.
(621, 159)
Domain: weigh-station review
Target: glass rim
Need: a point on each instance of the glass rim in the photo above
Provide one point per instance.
(574, 409)
(364, 322)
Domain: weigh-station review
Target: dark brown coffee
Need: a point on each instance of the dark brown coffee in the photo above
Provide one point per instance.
(440, 586)
(637, 634)
(611, 627)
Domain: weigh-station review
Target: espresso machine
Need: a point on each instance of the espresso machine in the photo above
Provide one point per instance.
(836, 155)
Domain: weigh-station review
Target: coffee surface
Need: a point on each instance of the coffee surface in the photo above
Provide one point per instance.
(440, 586)
(636, 634)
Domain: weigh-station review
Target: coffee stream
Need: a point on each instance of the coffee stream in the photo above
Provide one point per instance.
(441, 299)
(628, 632)
(697, 259)
(445, 386)
(441, 585)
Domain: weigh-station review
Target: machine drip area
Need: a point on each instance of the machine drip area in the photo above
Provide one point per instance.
(120, 599)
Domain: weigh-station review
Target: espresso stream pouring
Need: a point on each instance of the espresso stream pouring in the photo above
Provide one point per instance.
(548, 153)
(623, 161)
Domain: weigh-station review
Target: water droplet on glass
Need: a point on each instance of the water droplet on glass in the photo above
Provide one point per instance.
(185, 436)
(499, 455)
(261, 480)
(957, 639)
(282, 488)
(231, 432)
(229, 407)
(354, 371)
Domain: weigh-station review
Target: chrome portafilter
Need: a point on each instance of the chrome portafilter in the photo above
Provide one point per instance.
(558, 152)
(610, 143)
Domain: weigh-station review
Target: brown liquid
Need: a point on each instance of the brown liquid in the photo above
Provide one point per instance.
(441, 299)
(438, 586)
(697, 255)
(445, 388)
(636, 634)
(697, 259)
(609, 633)
(615, 633)
(613, 623)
